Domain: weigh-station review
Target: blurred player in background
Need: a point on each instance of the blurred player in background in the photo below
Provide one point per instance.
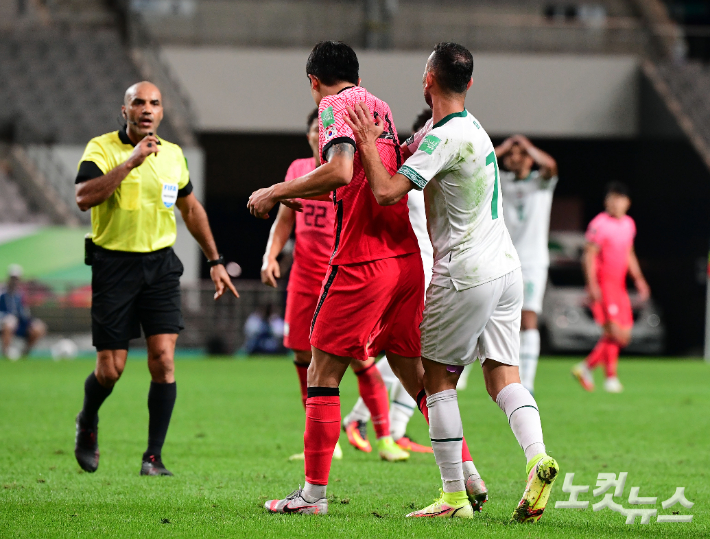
(15, 317)
(402, 405)
(608, 257)
(475, 297)
(372, 295)
(528, 201)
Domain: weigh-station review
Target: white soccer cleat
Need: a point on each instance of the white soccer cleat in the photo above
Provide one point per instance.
(477, 493)
(612, 385)
(294, 503)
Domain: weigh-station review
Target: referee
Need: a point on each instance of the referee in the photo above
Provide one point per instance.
(131, 180)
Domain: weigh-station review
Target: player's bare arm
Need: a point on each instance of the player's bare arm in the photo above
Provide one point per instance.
(96, 191)
(337, 172)
(504, 147)
(547, 164)
(195, 217)
(639, 280)
(589, 265)
(387, 189)
(278, 236)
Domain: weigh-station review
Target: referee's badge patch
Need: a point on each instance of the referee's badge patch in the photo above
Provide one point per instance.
(170, 193)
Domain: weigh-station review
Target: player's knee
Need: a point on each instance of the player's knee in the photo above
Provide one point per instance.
(10, 322)
(38, 329)
(303, 357)
(108, 375)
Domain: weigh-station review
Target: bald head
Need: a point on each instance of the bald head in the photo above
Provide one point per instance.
(142, 109)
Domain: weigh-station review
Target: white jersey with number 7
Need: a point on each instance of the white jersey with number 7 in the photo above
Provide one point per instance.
(455, 163)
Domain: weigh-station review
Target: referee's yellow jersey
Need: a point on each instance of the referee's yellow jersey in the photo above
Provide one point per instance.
(139, 216)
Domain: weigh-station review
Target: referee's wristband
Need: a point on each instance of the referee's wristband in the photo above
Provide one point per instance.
(217, 262)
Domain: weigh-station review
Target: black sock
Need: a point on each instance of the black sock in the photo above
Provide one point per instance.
(94, 396)
(161, 400)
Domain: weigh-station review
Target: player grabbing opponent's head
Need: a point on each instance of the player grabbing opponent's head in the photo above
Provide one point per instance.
(475, 297)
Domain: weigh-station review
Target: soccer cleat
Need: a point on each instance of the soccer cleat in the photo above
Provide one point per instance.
(294, 503)
(542, 472)
(449, 505)
(337, 454)
(86, 446)
(612, 385)
(390, 451)
(477, 493)
(406, 443)
(338, 451)
(153, 465)
(583, 376)
(357, 435)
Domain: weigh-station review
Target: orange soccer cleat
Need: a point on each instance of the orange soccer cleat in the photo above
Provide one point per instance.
(357, 435)
(406, 443)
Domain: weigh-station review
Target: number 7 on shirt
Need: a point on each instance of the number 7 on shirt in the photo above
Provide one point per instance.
(491, 158)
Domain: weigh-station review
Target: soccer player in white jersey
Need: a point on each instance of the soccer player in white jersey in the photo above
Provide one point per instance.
(402, 405)
(475, 297)
(528, 200)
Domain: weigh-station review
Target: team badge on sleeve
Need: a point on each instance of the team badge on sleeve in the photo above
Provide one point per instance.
(429, 144)
(327, 117)
(330, 133)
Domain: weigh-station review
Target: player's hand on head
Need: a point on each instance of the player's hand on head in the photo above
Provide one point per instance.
(143, 149)
(261, 202)
(365, 129)
(222, 281)
(270, 271)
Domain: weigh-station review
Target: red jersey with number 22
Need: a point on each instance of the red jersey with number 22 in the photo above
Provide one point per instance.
(314, 237)
(364, 230)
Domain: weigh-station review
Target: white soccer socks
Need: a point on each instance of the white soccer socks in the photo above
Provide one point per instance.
(446, 433)
(523, 416)
(529, 355)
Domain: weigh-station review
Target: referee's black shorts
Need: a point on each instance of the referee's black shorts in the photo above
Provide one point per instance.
(130, 290)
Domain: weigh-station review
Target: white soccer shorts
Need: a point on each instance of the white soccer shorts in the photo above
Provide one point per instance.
(534, 283)
(482, 322)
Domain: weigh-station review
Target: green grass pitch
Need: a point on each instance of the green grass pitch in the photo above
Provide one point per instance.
(236, 422)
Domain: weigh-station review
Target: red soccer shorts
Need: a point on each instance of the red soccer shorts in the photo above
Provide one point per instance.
(615, 306)
(299, 314)
(368, 308)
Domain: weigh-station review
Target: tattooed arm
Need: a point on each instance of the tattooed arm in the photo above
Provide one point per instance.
(337, 172)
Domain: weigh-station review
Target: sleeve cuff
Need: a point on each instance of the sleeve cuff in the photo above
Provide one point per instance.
(88, 170)
(413, 176)
(185, 190)
(337, 140)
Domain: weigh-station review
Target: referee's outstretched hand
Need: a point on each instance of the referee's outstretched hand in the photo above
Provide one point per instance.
(143, 149)
(221, 281)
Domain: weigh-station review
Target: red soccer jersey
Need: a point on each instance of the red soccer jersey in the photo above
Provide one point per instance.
(364, 230)
(615, 238)
(314, 237)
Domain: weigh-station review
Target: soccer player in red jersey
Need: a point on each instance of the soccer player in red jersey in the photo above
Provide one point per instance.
(314, 246)
(608, 257)
(372, 296)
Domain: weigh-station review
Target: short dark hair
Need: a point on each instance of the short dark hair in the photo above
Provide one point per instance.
(617, 188)
(333, 62)
(312, 117)
(452, 65)
(423, 118)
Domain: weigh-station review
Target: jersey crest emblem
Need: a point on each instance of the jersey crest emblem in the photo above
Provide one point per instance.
(330, 133)
(429, 144)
